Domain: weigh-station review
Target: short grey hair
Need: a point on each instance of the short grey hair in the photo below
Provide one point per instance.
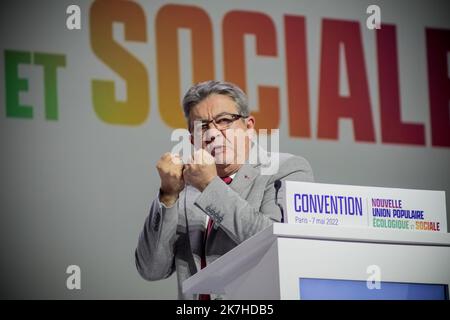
(200, 91)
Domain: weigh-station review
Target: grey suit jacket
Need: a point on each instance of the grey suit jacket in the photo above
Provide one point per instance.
(239, 210)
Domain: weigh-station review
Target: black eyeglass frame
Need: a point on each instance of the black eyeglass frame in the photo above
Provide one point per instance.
(234, 116)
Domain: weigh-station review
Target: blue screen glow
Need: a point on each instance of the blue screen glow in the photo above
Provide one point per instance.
(331, 289)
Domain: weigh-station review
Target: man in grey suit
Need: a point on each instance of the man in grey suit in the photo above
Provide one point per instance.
(196, 195)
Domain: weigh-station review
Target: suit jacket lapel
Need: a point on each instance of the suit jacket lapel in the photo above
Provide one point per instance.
(244, 177)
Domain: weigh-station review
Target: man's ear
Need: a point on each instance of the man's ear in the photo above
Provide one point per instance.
(250, 121)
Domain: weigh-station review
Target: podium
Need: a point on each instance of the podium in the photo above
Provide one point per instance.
(285, 261)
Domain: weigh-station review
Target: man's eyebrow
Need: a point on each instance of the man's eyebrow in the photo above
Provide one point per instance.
(221, 114)
(217, 115)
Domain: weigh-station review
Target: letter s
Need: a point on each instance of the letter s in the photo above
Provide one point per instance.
(134, 110)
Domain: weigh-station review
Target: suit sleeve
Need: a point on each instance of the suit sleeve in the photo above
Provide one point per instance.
(154, 255)
(236, 216)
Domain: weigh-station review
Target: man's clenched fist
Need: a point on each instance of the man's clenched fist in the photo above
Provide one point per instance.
(201, 170)
(170, 169)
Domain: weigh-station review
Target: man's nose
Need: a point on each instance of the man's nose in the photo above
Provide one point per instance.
(211, 134)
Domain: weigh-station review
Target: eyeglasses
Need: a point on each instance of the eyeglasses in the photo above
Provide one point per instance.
(222, 121)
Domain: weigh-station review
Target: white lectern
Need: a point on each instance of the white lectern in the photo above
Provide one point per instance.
(273, 263)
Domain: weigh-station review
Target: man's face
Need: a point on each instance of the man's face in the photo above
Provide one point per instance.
(228, 145)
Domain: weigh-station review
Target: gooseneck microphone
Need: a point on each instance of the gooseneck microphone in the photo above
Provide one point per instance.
(277, 185)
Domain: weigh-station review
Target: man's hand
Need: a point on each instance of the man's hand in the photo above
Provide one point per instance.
(170, 169)
(201, 171)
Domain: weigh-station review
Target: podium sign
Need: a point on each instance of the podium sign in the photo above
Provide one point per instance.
(299, 261)
(374, 207)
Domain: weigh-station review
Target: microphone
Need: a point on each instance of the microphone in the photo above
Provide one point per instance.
(277, 185)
